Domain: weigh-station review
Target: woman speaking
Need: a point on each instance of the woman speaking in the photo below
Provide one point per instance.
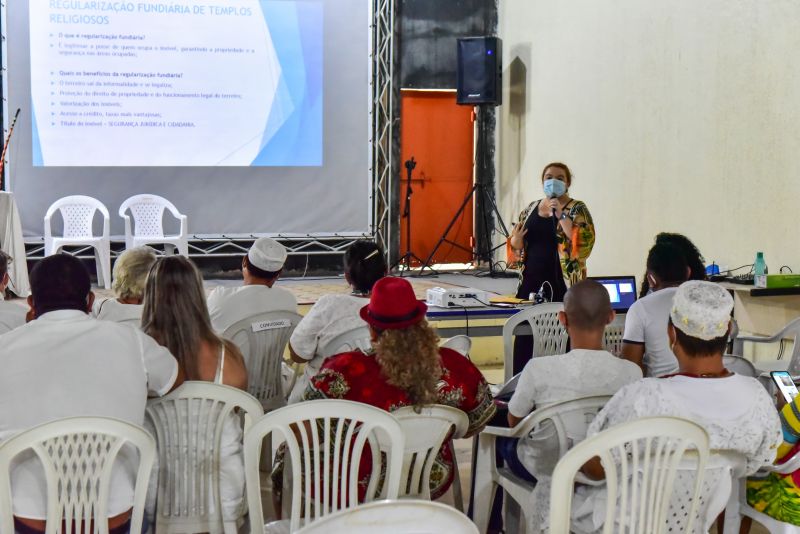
(552, 239)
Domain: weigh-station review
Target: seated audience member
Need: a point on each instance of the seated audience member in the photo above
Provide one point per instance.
(333, 315)
(64, 363)
(694, 260)
(775, 494)
(261, 268)
(11, 315)
(645, 341)
(130, 275)
(735, 410)
(407, 368)
(175, 315)
(586, 370)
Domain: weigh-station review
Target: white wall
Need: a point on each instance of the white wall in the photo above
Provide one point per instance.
(675, 115)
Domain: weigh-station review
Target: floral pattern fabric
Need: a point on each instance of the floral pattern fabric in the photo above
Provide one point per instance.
(356, 376)
(574, 249)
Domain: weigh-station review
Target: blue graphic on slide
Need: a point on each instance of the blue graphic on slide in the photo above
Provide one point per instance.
(294, 130)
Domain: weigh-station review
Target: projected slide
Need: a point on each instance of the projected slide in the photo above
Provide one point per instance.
(185, 83)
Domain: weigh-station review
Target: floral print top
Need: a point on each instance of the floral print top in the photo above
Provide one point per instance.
(357, 376)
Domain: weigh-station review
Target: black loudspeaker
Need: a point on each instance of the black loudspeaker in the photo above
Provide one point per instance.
(480, 71)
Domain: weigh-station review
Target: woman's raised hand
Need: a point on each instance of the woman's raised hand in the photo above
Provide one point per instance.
(517, 237)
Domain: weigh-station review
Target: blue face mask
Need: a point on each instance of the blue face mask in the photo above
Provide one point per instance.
(554, 188)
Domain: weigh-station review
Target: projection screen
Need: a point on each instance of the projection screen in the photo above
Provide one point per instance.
(251, 116)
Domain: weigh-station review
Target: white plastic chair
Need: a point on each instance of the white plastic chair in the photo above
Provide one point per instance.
(738, 505)
(460, 343)
(739, 365)
(612, 337)
(791, 364)
(77, 455)
(355, 339)
(407, 516)
(148, 229)
(77, 212)
(426, 431)
(541, 321)
(641, 460)
(569, 421)
(262, 338)
(188, 427)
(325, 441)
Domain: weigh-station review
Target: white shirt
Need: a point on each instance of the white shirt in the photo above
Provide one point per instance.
(67, 364)
(551, 379)
(229, 305)
(11, 316)
(736, 411)
(646, 323)
(116, 311)
(331, 316)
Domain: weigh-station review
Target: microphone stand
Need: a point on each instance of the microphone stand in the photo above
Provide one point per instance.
(404, 262)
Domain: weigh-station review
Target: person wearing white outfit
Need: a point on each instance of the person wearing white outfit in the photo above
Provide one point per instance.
(11, 315)
(261, 268)
(130, 275)
(586, 370)
(332, 315)
(64, 363)
(644, 341)
(735, 410)
(175, 314)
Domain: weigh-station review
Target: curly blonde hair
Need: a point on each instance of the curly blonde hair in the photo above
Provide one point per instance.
(409, 358)
(130, 272)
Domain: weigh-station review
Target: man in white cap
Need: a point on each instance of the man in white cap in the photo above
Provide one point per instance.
(261, 268)
(735, 410)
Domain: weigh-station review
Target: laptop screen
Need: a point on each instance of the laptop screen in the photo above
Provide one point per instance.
(621, 290)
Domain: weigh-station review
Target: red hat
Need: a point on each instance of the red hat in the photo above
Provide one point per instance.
(393, 305)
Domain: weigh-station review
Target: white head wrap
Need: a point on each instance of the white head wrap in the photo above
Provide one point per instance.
(267, 254)
(701, 310)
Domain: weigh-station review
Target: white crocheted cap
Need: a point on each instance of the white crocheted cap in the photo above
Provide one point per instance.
(701, 310)
(267, 254)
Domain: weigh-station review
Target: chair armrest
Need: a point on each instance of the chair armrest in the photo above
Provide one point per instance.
(761, 339)
(500, 431)
(184, 230)
(789, 466)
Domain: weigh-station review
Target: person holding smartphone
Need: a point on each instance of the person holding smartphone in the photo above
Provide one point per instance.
(778, 495)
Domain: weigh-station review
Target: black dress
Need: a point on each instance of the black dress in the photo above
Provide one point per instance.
(541, 259)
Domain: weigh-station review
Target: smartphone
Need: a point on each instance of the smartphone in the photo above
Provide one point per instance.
(785, 383)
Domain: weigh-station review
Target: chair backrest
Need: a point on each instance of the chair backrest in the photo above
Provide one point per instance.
(77, 211)
(739, 365)
(641, 460)
(407, 516)
(426, 429)
(549, 335)
(148, 214)
(460, 343)
(568, 421)
(77, 455)
(790, 331)
(355, 339)
(188, 427)
(325, 443)
(262, 338)
(612, 337)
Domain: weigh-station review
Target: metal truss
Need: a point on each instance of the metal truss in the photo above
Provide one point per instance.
(224, 246)
(382, 116)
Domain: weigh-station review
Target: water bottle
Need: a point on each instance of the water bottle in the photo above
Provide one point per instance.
(759, 267)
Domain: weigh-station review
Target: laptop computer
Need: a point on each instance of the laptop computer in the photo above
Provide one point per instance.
(621, 290)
